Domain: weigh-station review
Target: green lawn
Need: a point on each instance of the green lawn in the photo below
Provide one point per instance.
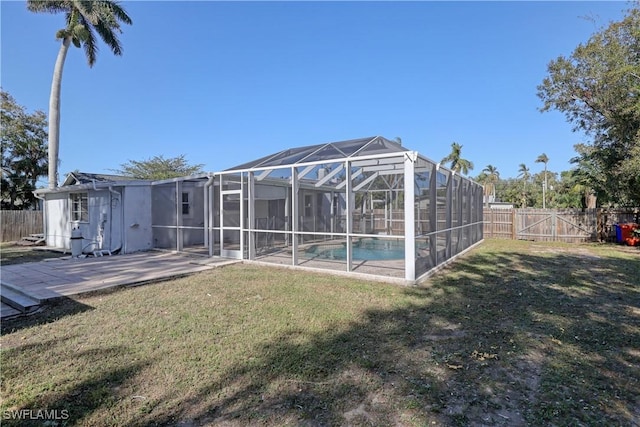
(514, 333)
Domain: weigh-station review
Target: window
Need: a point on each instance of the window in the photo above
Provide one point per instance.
(79, 207)
(185, 204)
(308, 206)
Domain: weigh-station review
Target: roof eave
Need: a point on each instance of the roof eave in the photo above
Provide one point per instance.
(92, 186)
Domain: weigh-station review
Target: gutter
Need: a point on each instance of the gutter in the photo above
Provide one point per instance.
(119, 196)
(92, 186)
(44, 218)
(208, 215)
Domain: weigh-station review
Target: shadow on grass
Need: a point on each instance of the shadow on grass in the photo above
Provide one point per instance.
(72, 406)
(520, 338)
(50, 311)
(499, 339)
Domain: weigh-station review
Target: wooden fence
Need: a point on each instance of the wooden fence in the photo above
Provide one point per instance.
(18, 224)
(562, 225)
(566, 225)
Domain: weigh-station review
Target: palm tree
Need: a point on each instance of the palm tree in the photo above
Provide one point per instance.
(492, 178)
(82, 20)
(482, 180)
(458, 164)
(542, 158)
(525, 174)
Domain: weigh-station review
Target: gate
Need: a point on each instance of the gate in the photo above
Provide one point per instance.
(562, 225)
(555, 225)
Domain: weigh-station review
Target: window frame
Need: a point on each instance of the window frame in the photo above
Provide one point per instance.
(186, 203)
(79, 206)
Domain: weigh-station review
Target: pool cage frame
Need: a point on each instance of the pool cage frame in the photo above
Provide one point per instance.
(302, 207)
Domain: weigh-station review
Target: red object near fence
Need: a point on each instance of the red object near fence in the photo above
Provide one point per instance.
(626, 231)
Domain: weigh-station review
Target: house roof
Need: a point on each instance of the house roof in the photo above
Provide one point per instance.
(79, 181)
(76, 178)
(328, 151)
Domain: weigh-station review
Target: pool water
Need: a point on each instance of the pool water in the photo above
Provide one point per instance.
(373, 250)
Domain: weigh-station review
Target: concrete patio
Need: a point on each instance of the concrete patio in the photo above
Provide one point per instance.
(55, 278)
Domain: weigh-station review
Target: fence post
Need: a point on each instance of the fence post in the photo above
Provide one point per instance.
(513, 224)
(491, 222)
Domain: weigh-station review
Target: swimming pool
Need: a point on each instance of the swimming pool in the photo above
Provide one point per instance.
(365, 249)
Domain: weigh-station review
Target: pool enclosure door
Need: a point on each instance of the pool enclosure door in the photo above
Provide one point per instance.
(231, 244)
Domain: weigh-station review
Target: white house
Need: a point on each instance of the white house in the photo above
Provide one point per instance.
(112, 213)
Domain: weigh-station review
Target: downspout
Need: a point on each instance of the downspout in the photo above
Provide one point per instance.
(119, 196)
(101, 233)
(208, 215)
(44, 219)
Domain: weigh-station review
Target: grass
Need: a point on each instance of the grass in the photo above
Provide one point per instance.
(514, 333)
(11, 253)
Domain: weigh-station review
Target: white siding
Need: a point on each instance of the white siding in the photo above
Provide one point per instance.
(104, 228)
(137, 219)
(97, 233)
(58, 226)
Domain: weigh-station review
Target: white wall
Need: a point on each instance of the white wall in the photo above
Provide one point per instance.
(269, 192)
(137, 219)
(96, 234)
(59, 224)
(57, 221)
(104, 228)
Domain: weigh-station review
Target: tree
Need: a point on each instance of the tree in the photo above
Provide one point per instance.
(537, 188)
(571, 191)
(158, 167)
(588, 173)
(525, 175)
(598, 89)
(83, 19)
(492, 177)
(24, 152)
(458, 164)
(510, 191)
(543, 158)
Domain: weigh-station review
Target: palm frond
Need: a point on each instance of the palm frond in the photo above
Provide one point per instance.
(542, 158)
(457, 163)
(85, 18)
(88, 10)
(47, 6)
(108, 36)
(90, 46)
(117, 11)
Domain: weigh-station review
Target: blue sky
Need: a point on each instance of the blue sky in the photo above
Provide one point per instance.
(226, 82)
